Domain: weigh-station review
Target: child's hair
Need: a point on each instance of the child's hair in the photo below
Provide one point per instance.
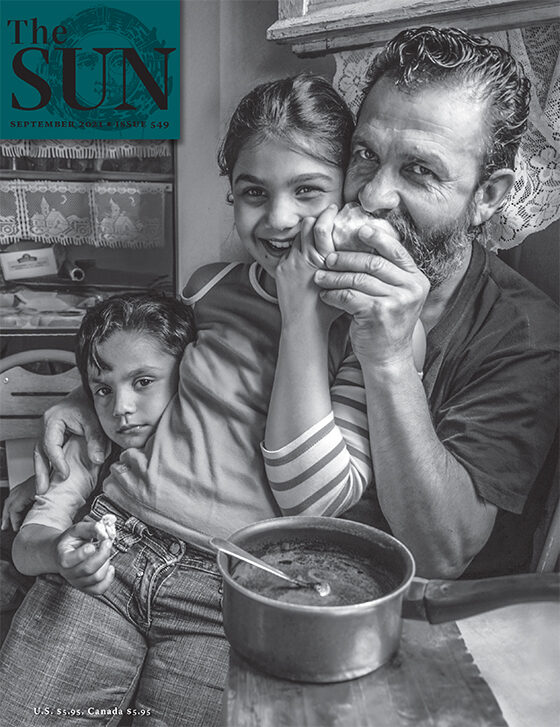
(304, 111)
(163, 317)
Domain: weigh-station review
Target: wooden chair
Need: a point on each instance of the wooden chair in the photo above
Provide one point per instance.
(25, 395)
(548, 555)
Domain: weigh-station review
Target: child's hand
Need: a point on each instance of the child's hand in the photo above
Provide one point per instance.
(18, 503)
(298, 295)
(85, 564)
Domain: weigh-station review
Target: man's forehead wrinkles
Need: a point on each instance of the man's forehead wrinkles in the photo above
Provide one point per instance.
(425, 129)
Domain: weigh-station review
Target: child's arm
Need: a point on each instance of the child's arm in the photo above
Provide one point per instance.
(316, 449)
(325, 470)
(41, 549)
(54, 512)
(300, 394)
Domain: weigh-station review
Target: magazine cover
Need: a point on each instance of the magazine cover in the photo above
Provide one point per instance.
(279, 356)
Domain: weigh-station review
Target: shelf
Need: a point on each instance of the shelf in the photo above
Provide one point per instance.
(317, 27)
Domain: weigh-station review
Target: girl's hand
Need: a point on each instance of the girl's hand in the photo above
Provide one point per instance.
(298, 295)
(18, 503)
(85, 564)
(75, 415)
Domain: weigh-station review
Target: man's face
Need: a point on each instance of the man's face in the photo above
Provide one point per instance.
(416, 161)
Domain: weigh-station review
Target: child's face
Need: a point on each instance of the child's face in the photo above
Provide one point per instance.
(274, 188)
(130, 395)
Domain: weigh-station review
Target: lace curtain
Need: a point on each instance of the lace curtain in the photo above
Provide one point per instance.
(84, 148)
(103, 214)
(534, 202)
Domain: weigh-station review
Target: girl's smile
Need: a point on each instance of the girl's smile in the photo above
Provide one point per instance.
(274, 187)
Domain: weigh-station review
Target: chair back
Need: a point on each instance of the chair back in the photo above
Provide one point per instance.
(549, 531)
(25, 395)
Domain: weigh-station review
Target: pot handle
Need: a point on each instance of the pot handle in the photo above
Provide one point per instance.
(440, 601)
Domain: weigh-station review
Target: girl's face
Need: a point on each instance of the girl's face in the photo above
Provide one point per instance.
(274, 188)
(131, 394)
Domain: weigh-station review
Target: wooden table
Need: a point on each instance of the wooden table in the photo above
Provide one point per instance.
(517, 650)
(514, 680)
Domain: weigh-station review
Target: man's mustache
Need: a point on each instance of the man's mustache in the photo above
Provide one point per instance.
(401, 221)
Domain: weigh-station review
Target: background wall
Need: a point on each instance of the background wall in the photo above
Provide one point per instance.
(224, 55)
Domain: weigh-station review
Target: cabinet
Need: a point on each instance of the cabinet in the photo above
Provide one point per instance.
(78, 224)
(315, 27)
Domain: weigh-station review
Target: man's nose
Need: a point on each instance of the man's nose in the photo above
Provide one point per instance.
(282, 214)
(124, 403)
(380, 195)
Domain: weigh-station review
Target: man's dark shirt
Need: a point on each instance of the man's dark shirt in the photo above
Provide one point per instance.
(491, 378)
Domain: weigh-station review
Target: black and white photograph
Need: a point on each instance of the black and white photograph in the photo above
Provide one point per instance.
(279, 363)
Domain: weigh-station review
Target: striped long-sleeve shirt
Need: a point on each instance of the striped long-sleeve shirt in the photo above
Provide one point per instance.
(326, 469)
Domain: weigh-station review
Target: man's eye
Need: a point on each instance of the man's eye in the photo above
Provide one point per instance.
(366, 154)
(421, 171)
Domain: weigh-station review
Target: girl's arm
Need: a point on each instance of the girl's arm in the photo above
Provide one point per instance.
(75, 415)
(18, 503)
(316, 447)
(325, 470)
(300, 394)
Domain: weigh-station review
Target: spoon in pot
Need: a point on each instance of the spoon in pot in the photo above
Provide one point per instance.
(322, 587)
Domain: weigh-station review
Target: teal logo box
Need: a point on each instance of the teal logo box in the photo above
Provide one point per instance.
(75, 69)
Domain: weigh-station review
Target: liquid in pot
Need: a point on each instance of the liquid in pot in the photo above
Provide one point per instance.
(352, 577)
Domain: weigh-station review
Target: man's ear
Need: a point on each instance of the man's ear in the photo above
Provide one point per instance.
(490, 194)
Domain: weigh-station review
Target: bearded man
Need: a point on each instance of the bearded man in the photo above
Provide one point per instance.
(458, 454)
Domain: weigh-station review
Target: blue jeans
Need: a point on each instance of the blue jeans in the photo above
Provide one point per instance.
(153, 644)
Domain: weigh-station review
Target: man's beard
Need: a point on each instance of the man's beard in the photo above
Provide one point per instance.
(438, 252)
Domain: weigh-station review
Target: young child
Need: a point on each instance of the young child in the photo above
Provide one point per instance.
(202, 473)
(127, 352)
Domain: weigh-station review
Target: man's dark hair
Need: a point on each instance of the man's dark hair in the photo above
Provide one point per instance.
(168, 320)
(427, 56)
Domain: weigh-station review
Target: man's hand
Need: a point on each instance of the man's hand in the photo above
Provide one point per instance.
(383, 290)
(73, 415)
(85, 564)
(18, 503)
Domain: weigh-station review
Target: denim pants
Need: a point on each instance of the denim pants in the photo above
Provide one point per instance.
(152, 646)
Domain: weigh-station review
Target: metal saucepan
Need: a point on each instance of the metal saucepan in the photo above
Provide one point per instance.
(336, 643)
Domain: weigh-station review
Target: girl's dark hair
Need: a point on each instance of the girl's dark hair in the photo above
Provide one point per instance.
(163, 317)
(429, 56)
(304, 111)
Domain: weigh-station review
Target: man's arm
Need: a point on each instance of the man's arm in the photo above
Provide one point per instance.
(426, 495)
